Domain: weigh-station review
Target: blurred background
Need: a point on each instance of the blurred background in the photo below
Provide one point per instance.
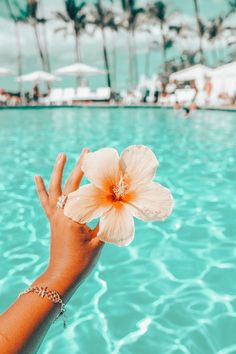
(142, 37)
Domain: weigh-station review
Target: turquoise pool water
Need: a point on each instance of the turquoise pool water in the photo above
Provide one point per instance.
(173, 290)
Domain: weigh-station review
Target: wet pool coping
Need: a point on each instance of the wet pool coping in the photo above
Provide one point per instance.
(95, 106)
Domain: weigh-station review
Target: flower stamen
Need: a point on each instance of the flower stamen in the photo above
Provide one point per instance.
(121, 188)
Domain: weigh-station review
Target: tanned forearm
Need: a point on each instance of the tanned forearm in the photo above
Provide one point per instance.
(24, 325)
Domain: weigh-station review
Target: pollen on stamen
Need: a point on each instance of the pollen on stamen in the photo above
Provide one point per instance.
(120, 189)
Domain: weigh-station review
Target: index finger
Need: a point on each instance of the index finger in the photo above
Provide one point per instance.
(56, 177)
(76, 175)
(43, 195)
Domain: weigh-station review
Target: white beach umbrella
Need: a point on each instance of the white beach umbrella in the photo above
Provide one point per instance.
(224, 78)
(5, 72)
(37, 76)
(223, 71)
(79, 69)
(195, 72)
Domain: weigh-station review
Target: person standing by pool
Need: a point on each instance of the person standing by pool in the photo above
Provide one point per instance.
(74, 251)
(36, 93)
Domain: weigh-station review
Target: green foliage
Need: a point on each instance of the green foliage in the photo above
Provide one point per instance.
(73, 10)
(214, 27)
(158, 11)
(103, 17)
(131, 14)
(75, 13)
(169, 44)
(28, 13)
(232, 4)
(202, 27)
(132, 17)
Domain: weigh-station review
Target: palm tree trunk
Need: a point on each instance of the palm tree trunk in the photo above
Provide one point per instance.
(77, 55)
(41, 54)
(77, 51)
(147, 62)
(198, 20)
(130, 60)
(163, 47)
(106, 58)
(114, 63)
(45, 42)
(135, 59)
(147, 59)
(216, 57)
(18, 44)
(19, 56)
(213, 54)
(46, 49)
(164, 56)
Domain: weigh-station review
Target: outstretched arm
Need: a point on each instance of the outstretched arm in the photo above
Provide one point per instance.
(73, 252)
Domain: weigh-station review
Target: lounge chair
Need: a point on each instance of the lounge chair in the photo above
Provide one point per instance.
(56, 96)
(164, 100)
(103, 94)
(185, 95)
(84, 94)
(69, 95)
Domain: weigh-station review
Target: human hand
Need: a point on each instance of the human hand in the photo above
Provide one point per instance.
(74, 247)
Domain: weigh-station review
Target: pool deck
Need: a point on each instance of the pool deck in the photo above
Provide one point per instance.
(106, 105)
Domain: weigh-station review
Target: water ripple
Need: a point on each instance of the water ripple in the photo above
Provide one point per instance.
(173, 290)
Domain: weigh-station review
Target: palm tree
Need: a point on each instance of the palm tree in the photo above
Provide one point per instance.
(29, 15)
(18, 42)
(114, 26)
(216, 26)
(45, 41)
(75, 14)
(187, 58)
(201, 29)
(148, 54)
(103, 18)
(232, 7)
(130, 23)
(214, 29)
(158, 11)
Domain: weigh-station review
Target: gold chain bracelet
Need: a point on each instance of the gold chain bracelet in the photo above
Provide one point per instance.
(51, 295)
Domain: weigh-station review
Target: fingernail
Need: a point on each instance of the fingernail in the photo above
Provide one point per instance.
(36, 178)
(59, 157)
(85, 150)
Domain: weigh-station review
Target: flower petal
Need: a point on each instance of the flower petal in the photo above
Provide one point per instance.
(139, 163)
(117, 226)
(102, 168)
(152, 202)
(86, 204)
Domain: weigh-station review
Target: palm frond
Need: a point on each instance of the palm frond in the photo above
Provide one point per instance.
(22, 14)
(60, 29)
(81, 6)
(61, 16)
